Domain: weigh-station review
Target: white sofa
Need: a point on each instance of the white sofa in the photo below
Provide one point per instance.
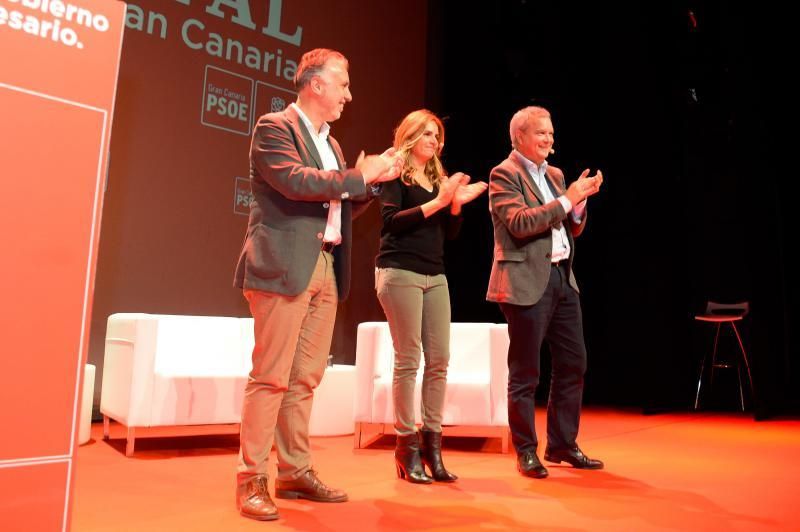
(174, 370)
(162, 370)
(476, 401)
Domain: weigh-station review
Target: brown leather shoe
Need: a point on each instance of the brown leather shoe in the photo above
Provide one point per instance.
(308, 486)
(253, 500)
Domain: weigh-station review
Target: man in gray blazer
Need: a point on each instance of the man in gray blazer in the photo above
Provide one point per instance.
(293, 269)
(535, 220)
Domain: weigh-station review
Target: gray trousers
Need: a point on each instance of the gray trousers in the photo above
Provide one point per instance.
(417, 308)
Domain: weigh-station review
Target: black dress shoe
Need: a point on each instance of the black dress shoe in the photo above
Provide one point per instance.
(574, 457)
(529, 465)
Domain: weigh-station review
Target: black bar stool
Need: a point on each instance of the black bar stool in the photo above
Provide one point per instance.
(721, 313)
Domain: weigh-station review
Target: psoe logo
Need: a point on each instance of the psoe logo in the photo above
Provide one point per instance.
(242, 196)
(277, 104)
(271, 98)
(227, 101)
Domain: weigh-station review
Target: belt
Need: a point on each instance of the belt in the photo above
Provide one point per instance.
(328, 246)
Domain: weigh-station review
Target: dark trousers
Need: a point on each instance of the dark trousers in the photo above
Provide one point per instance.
(555, 318)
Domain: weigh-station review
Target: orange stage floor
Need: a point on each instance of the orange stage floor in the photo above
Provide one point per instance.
(666, 472)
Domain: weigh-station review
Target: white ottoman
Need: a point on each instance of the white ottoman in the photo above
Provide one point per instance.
(85, 420)
(332, 411)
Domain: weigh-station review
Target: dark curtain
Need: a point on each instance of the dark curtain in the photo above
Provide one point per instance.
(678, 105)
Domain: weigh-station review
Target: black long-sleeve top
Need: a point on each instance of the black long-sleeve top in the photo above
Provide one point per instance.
(409, 240)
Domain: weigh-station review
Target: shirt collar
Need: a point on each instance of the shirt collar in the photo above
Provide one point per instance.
(536, 170)
(323, 131)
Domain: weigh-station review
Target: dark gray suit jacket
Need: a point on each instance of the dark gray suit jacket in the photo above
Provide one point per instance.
(289, 211)
(523, 237)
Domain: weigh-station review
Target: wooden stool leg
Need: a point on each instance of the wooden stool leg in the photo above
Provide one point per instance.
(131, 440)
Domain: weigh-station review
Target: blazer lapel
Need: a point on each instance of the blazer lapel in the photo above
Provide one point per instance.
(300, 128)
(337, 151)
(555, 186)
(527, 180)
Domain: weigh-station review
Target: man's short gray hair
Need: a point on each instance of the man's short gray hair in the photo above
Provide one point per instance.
(522, 119)
(313, 63)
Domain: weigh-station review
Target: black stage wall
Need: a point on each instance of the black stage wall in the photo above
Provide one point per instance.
(677, 104)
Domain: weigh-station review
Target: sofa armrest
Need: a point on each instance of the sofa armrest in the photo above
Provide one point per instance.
(499, 372)
(127, 384)
(367, 351)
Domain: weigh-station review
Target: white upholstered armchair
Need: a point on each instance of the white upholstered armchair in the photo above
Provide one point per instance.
(163, 370)
(476, 402)
(174, 370)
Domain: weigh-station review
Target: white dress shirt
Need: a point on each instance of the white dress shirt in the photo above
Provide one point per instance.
(561, 248)
(333, 228)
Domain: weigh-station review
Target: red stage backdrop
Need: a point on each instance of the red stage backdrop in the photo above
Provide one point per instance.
(195, 75)
(58, 72)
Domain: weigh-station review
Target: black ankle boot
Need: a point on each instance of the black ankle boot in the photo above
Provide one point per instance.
(432, 456)
(407, 460)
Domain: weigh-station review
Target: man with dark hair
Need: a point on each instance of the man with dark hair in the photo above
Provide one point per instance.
(293, 270)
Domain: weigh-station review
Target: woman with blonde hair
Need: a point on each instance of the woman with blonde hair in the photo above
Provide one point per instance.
(419, 211)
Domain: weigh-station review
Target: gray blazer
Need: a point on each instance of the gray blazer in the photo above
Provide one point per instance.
(523, 240)
(289, 211)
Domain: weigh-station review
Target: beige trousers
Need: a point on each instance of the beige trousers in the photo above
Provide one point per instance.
(292, 341)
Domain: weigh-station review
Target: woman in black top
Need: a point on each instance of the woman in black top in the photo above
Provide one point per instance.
(419, 211)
